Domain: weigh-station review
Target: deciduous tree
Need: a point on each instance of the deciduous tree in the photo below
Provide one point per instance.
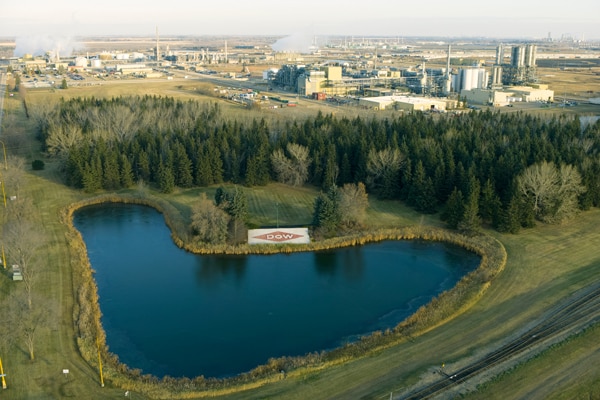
(353, 204)
(383, 169)
(209, 222)
(291, 169)
(552, 192)
(22, 244)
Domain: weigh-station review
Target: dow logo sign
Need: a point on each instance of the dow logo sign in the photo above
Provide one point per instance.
(288, 235)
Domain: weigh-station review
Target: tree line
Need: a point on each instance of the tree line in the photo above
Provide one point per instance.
(507, 170)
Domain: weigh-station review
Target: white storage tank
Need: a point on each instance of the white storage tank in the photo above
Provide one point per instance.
(96, 63)
(81, 62)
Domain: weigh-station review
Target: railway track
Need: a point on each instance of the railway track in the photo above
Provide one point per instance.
(584, 306)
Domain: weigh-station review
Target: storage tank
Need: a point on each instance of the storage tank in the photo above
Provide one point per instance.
(473, 78)
(530, 55)
(500, 54)
(518, 56)
(497, 75)
(96, 63)
(105, 56)
(81, 62)
(466, 79)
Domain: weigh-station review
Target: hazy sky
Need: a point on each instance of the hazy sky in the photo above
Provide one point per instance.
(455, 18)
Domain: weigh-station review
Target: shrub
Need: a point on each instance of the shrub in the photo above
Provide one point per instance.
(37, 165)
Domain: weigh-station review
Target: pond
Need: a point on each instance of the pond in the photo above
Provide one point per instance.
(169, 312)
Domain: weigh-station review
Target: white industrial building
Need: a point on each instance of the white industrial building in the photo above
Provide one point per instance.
(502, 97)
(406, 103)
(131, 69)
(322, 80)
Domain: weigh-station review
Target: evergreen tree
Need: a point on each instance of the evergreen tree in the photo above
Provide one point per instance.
(220, 197)
(422, 193)
(237, 204)
(111, 176)
(143, 167)
(126, 172)
(471, 222)
(489, 204)
(326, 214)
(166, 179)
(203, 173)
(216, 166)
(330, 174)
(345, 170)
(183, 167)
(92, 175)
(510, 219)
(74, 167)
(252, 167)
(454, 210)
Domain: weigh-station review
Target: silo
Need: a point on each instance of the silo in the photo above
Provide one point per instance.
(468, 79)
(518, 56)
(482, 78)
(500, 54)
(105, 56)
(530, 55)
(497, 75)
(81, 62)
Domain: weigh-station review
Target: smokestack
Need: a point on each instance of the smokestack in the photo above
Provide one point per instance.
(448, 64)
(157, 47)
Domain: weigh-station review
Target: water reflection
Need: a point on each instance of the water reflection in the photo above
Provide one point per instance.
(325, 262)
(349, 261)
(210, 270)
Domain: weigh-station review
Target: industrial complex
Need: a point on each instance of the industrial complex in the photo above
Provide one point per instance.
(376, 73)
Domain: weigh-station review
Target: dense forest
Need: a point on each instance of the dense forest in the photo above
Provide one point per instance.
(507, 170)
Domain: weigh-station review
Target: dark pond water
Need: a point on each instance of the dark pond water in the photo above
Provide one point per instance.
(168, 312)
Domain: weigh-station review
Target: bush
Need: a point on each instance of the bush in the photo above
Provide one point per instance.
(37, 165)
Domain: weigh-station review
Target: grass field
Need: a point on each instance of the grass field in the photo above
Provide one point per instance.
(544, 265)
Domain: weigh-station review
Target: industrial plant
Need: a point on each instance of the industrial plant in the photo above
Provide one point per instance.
(377, 73)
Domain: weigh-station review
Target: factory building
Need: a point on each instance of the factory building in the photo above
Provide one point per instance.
(311, 82)
(326, 79)
(130, 69)
(499, 97)
(287, 75)
(405, 103)
(529, 94)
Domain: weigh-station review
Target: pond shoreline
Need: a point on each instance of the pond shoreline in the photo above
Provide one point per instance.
(92, 341)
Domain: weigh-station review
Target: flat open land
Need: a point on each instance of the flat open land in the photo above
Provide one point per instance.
(545, 265)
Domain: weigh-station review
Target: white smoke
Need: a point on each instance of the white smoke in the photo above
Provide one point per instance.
(56, 46)
(296, 43)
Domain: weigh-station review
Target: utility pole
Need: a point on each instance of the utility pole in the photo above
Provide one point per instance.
(2, 374)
